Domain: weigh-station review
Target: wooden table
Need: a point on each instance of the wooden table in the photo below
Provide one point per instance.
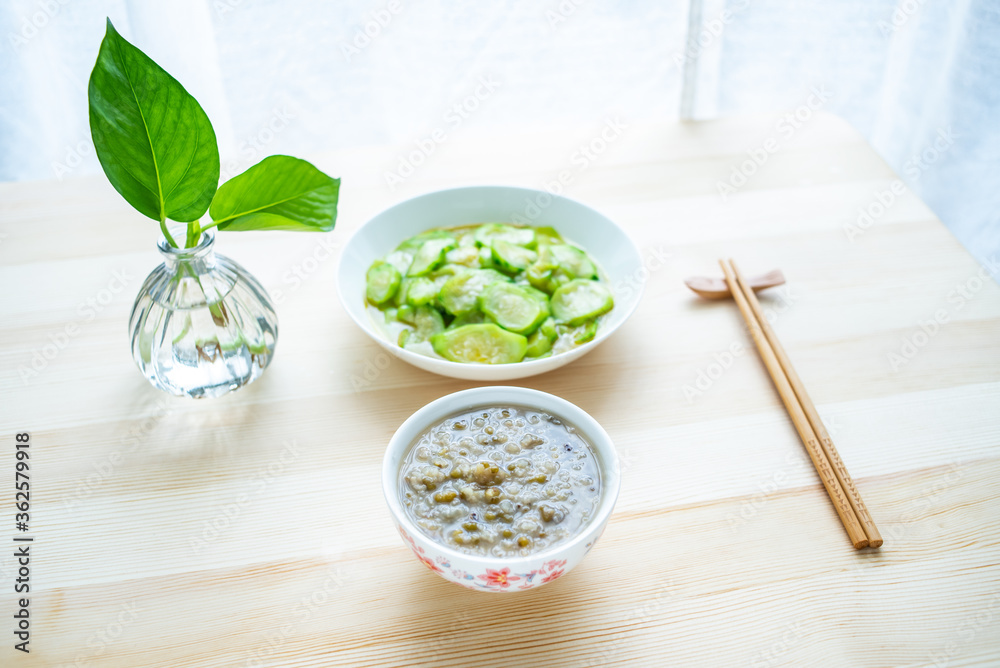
(251, 530)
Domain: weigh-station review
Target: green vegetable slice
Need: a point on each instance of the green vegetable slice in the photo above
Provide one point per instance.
(460, 294)
(407, 314)
(381, 282)
(580, 300)
(547, 235)
(467, 256)
(486, 258)
(474, 318)
(413, 244)
(547, 280)
(538, 344)
(446, 271)
(546, 273)
(430, 256)
(421, 290)
(548, 328)
(485, 344)
(537, 294)
(514, 308)
(511, 257)
(546, 260)
(520, 236)
(507, 291)
(426, 321)
(586, 332)
(400, 260)
(574, 261)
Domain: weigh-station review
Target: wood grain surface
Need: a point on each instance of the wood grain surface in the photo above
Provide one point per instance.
(251, 530)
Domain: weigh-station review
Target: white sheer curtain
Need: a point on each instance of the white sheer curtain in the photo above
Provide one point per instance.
(919, 78)
(300, 76)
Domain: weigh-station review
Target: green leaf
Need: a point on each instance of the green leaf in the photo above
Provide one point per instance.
(278, 193)
(154, 141)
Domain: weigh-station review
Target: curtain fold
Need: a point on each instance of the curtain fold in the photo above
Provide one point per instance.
(919, 78)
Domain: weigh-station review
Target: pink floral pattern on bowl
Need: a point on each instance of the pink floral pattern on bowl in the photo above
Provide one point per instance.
(492, 579)
(419, 552)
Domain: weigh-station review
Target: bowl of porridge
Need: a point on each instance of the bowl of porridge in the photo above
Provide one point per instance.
(500, 489)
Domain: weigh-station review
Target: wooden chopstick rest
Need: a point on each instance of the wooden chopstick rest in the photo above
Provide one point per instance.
(711, 287)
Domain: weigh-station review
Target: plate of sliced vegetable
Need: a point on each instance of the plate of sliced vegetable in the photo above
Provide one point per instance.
(489, 282)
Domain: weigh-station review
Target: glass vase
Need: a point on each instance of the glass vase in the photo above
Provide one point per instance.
(201, 326)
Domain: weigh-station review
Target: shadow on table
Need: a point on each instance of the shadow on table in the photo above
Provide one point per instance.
(169, 429)
(498, 629)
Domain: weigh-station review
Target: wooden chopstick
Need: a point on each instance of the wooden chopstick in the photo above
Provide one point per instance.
(799, 419)
(846, 482)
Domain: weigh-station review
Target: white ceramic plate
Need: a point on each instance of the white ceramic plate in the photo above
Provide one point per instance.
(597, 234)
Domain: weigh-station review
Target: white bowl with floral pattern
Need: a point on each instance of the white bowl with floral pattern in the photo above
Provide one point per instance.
(487, 572)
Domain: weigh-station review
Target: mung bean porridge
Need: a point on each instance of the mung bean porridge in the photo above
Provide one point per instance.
(500, 481)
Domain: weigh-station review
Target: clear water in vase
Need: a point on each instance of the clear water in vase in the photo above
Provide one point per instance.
(202, 326)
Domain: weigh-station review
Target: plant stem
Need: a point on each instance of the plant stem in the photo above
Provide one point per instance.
(166, 233)
(193, 233)
(210, 225)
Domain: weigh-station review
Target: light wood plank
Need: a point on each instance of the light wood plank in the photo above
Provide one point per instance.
(723, 549)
